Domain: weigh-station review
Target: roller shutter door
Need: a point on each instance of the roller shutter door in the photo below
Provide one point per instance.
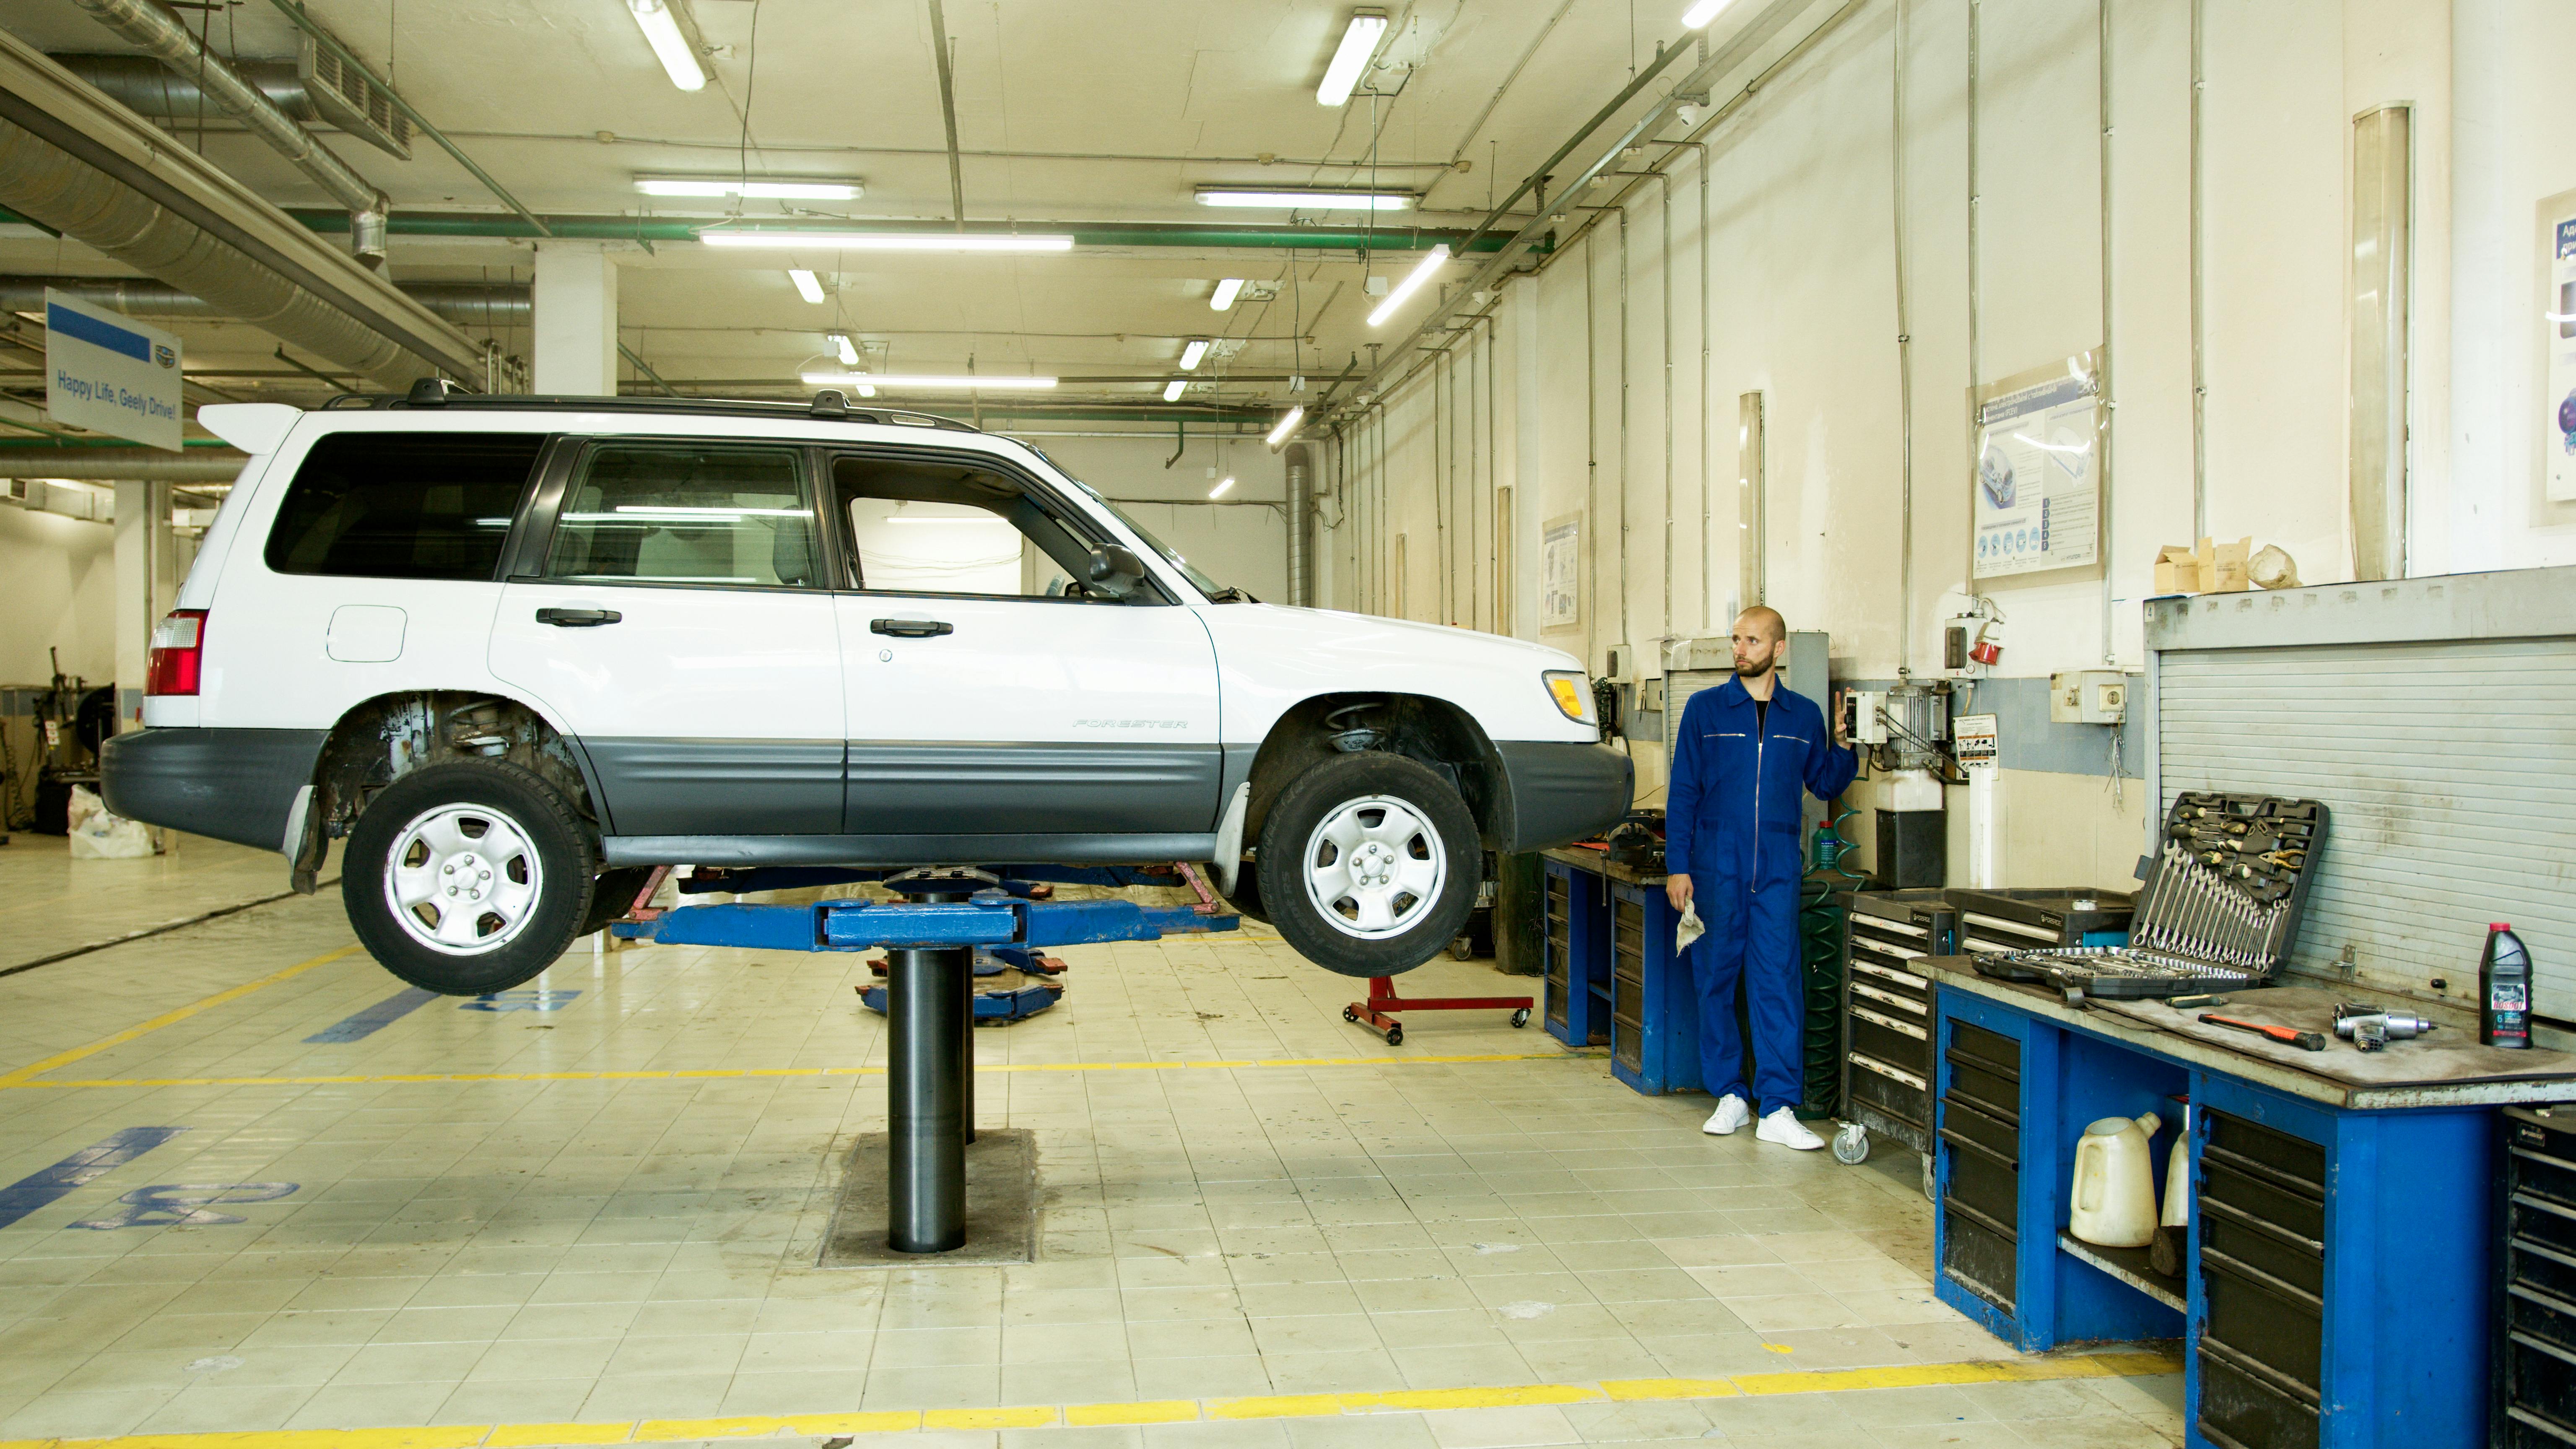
(2450, 767)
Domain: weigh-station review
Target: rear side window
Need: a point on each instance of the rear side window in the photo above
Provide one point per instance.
(403, 505)
(685, 513)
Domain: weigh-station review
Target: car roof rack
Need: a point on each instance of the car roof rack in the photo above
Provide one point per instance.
(827, 404)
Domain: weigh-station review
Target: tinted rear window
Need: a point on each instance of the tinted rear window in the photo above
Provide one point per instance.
(403, 505)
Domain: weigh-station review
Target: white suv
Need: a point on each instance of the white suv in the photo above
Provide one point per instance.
(519, 651)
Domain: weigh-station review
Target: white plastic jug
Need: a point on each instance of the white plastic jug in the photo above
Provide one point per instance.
(2177, 1208)
(2115, 1188)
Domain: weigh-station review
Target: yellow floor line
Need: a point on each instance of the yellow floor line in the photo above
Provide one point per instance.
(19, 1078)
(1162, 1411)
(17, 1081)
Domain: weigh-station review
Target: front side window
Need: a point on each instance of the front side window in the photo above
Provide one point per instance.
(403, 505)
(935, 526)
(677, 513)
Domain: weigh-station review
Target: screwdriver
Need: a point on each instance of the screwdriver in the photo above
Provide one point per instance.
(2287, 1036)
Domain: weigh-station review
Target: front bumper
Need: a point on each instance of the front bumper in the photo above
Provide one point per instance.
(231, 784)
(1562, 792)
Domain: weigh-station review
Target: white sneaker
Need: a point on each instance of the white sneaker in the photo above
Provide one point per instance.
(1732, 1112)
(1783, 1127)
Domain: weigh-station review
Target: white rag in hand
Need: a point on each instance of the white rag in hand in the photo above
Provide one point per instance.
(1688, 929)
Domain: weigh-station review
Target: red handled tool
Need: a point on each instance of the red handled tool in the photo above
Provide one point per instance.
(2287, 1036)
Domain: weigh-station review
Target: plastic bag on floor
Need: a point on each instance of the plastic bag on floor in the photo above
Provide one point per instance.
(98, 835)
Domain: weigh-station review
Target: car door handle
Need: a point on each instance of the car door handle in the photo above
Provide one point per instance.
(578, 618)
(910, 628)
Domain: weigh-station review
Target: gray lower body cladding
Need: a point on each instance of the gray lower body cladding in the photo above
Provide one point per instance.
(904, 849)
(1563, 792)
(231, 784)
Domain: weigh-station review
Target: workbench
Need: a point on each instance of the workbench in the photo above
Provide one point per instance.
(2335, 1287)
(1612, 976)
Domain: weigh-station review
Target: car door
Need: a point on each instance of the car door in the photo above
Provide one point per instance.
(675, 617)
(983, 701)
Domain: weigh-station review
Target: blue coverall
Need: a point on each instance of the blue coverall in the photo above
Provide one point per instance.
(1731, 820)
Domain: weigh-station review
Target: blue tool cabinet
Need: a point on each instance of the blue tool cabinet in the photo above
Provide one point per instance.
(2335, 1288)
(1612, 976)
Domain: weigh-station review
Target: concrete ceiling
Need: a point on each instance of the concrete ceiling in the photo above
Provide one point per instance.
(1066, 112)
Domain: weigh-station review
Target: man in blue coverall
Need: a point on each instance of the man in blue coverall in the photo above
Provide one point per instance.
(1743, 753)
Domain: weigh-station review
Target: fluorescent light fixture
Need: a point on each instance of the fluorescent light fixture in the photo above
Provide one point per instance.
(1219, 490)
(1191, 354)
(984, 382)
(759, 188)
(1411, 284)
(1307, 198)
(1224, 295)
(1286, 426)
(1172, 389)
(1703, 12)
(1359, 42)
(848, 349)
(662, 31)
(878, 241)
(942, 518)
(808, 286)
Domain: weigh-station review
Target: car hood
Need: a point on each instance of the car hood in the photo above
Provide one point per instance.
(1338, 627)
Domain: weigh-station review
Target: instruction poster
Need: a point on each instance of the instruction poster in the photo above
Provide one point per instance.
(1560, 573)
(2038, 479)
(2558, 327)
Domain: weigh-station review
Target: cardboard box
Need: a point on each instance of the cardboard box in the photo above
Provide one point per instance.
(2177, 570)
(2222, 566)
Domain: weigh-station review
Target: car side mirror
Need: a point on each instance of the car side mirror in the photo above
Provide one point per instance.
(1114, 570)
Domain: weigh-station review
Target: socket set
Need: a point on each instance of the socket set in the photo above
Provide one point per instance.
(2219, 910)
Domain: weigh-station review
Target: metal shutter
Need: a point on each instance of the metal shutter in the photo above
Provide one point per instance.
(2450, 766)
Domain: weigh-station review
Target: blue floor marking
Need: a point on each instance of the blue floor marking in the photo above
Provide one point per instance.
(375, 1018)
(533, 999)
(56, 1182)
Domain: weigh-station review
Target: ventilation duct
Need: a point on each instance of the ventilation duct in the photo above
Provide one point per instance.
(1301, 526)
(467, 304)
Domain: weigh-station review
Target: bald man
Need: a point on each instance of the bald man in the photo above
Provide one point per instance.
(1744, 752)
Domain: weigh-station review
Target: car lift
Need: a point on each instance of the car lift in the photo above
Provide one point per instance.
(930, 939)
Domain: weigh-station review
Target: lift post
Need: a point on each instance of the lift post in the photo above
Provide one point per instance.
(929, 939)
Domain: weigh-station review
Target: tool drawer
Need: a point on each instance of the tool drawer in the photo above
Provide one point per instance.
(1887, 1009)
(2533, 1405)
(1980, 1174)
(2262, 1271)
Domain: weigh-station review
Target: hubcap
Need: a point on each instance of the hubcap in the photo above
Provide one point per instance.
(1374, 867)
(463, 879)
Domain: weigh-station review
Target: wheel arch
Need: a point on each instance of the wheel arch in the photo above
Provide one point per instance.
(384, 738)
(1424, 728)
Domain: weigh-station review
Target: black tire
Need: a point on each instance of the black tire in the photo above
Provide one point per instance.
(1427, 923)
(1520, 1017)
(558, 892)
(1246, 896)
(612, 894)
(1395, 1036)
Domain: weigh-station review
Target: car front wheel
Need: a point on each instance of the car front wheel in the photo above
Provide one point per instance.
(469, 877)
(1369, 864)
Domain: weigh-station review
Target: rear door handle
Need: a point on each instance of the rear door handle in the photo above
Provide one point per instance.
(910, 628)
(578, 618)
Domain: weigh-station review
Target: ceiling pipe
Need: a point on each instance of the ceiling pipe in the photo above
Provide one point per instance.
(483, 304)
(77, 163)
(145, 86)
(1084, 233)
(166, 39)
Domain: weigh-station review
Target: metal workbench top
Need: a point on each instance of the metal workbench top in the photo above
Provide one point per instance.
(1599, 863)
(2549, 1076)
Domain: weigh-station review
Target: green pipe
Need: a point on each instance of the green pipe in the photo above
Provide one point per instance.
(32, 444)
(1085, 234)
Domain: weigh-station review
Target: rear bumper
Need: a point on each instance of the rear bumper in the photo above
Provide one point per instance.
(231, 784)
(1563, 792)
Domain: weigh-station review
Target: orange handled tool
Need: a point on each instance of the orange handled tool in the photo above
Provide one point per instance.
(2285, 1035)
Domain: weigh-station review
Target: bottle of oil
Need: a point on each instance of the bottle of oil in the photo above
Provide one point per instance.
(2504, 989)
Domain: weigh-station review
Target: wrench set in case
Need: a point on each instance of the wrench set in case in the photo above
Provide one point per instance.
(2219, 910)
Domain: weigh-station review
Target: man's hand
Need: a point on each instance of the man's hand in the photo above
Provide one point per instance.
(1842, 737)
(1677, 889)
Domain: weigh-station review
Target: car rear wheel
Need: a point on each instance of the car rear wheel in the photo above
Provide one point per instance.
(469, 877)
(1369, 864)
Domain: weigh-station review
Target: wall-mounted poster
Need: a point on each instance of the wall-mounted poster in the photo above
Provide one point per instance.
(1560, 574)
(2038, 480)
(2558, 333)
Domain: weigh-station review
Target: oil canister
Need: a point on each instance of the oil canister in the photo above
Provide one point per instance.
(2504, 989)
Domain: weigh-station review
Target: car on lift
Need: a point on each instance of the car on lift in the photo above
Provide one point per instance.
(517, 652)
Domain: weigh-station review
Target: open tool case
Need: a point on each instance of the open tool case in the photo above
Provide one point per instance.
(2219, 911)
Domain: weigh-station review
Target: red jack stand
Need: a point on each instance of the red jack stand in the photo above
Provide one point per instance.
(1378, 1011)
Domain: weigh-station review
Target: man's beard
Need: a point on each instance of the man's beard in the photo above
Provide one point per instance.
(1752, 671)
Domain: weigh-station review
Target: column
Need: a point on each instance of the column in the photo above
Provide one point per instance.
(576, 319)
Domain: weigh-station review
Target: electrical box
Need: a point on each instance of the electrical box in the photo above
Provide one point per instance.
(1865, 717)
(1619, 664)
(2088, 696)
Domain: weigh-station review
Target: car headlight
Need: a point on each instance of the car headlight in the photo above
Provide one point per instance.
(1572, 693)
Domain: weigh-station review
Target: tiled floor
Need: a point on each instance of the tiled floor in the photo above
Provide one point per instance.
(481, 1216)
(50, 902)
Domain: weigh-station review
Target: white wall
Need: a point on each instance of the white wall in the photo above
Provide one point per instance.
(58, 577)
(1240, 539)
(1804, 186)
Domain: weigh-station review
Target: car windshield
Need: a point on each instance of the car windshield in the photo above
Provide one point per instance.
(1200, 581)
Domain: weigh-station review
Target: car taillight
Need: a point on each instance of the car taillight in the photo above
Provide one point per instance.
(178, 649)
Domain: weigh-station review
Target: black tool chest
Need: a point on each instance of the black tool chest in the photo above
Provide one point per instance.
(2262, 1281)
(1627, 980)
(1561, 977)
(2030, 918)
(1887, 1009)
(1981, 1199)
(2534, 1344)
